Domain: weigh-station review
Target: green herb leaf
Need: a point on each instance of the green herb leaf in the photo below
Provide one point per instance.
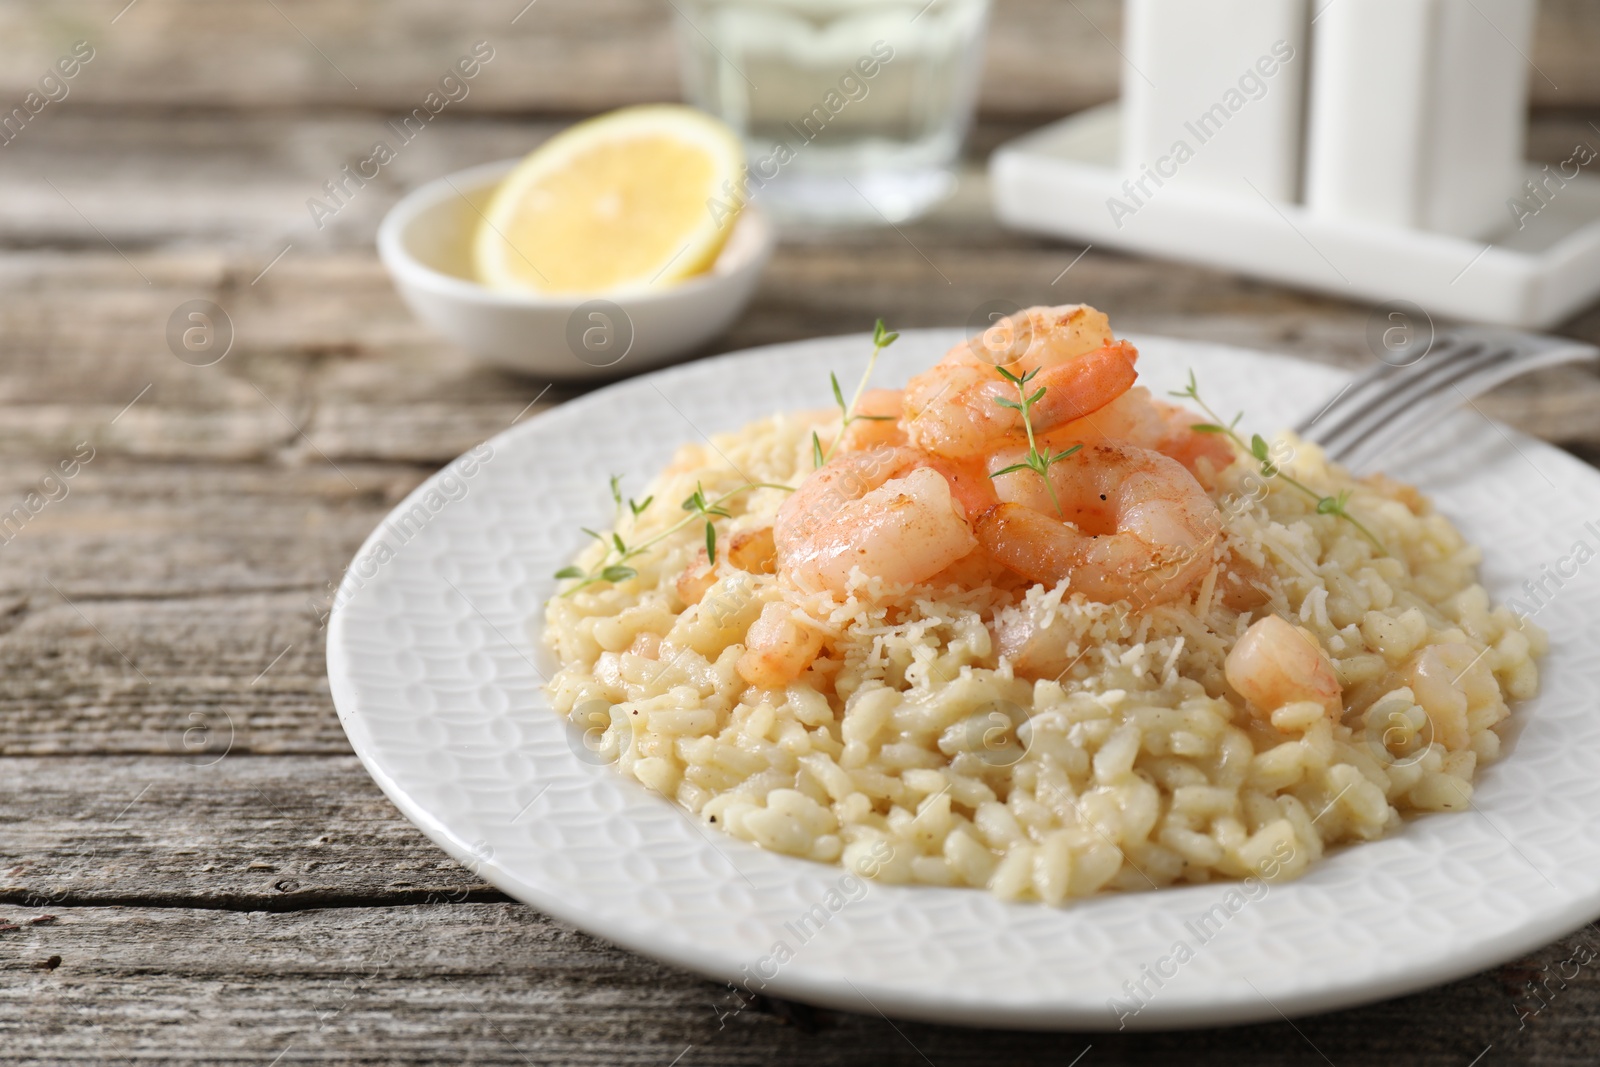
(1334, 505)
(877, 418)
(616, 489)
(711, 543)
(816, 450)
(1258, 447)
(1034, 461)
(881, 339)
(639, 507)
(1064, 454)
(618, 570)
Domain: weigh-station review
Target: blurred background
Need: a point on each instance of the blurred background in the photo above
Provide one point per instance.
(199, 130)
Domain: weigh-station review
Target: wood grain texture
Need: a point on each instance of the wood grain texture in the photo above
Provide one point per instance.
(211, 828)
(243, 953)
(497, 983)
(1043, 57)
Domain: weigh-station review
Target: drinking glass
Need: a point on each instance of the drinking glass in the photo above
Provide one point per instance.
(850, 110)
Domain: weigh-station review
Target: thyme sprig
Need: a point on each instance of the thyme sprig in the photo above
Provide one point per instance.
(699, 505)
(881, 338)
(634, 506)
(613, 566)
(1258, 449)
(1036, 461)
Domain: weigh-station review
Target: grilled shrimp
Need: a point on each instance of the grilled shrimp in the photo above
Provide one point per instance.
(877, 421)
(1132, 524)
(1277, 663)
(887, 510)
(950, 410)
(778, 647)
(1137, 418)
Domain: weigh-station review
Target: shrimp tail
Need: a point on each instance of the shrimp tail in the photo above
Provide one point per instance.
(1082, 386)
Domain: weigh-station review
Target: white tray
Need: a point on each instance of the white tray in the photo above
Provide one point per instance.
(1058, 179)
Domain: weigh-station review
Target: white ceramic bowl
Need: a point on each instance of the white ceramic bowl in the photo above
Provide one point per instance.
(425, 243)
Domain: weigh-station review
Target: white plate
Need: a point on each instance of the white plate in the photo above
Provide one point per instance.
(435, 668)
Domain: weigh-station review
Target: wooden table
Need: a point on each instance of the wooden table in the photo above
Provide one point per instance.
(193, 866)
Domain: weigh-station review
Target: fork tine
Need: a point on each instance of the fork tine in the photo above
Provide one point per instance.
(1394, 393)
(1389, 404)
(1407, 392)
(1451, 395)
(1363, 390)
(1425, 409)
(1349, 400)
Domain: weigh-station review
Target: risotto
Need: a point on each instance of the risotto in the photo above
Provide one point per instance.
(1046, 650)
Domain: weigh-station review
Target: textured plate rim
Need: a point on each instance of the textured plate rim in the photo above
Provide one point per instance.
(822, 985)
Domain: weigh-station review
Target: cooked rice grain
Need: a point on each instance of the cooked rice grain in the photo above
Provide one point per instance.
(1133, 768)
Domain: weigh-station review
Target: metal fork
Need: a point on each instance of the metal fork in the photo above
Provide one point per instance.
(1390, 404)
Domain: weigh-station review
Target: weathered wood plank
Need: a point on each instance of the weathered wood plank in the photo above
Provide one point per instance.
(101, 318)
(144, 179)
(439, 971)
(212, 828)
(131, 530)
(365, 381)
(403, 396)
(244, 671)
(231, 189)
(489, 983)
(1042, 58)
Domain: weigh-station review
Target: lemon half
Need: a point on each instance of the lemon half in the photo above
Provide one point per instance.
(633, 199)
